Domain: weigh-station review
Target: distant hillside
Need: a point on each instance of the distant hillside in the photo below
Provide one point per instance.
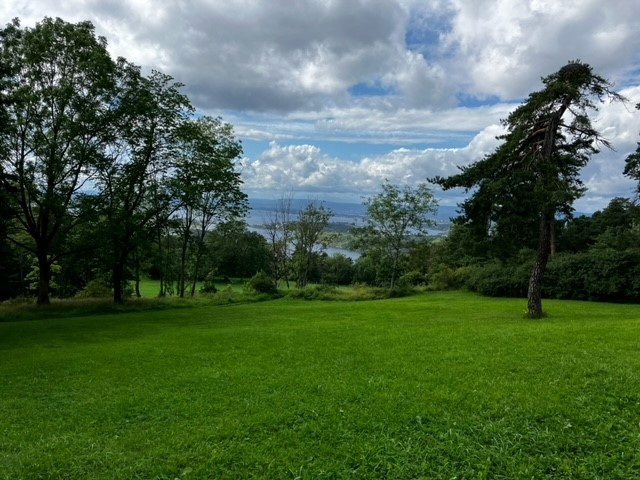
(343, 209)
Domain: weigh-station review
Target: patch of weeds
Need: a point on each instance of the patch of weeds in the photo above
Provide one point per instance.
(315, 292)
(353, 293)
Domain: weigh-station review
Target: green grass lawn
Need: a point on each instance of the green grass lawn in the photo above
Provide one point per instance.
(440, 385)
(150, 288)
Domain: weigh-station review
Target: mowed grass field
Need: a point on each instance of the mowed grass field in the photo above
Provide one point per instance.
(440, 385)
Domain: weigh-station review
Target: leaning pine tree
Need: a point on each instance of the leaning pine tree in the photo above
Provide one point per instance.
(534, 174)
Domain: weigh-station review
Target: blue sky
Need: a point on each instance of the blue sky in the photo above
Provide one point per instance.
(330, 98)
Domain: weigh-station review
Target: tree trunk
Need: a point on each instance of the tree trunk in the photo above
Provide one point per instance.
(44, 279)
(137, 275)
(534, 295)
(552, 238)
(195, 275)
(118, 278)
(394, 266)
(162, 263)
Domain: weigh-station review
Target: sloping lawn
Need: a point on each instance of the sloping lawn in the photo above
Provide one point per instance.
(442, 385)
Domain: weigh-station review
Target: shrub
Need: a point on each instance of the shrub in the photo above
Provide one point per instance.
(208, 286)
(400, 290)
(447, 278)
(496, 279)
(599, 274)
(96, 288)
(263, 283)
(413, 278)
(315, 292)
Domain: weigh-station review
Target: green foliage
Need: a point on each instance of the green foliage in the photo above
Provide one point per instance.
(209, 286)
(412, 278)
(263, 283)
(315, 292)
(58, 83)
(497, 279)
(33, 277)
(447, 278)
(236, 252)
(601, 274)
(306, 234)
(533, 177)
(96, 288)
(337, 269)
(365, 270)
(632, 165)
(393, 217)
(614, 225)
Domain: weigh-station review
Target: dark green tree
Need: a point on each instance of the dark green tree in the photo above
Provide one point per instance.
(235, 252)
(58, 83)
(336, 269)
(632, 165)
(533, 176)
(616, 220)
(133, 179)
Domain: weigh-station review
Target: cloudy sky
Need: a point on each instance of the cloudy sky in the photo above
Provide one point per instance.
(331, 97)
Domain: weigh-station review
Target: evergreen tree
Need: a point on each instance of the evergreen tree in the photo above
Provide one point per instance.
(533, 176)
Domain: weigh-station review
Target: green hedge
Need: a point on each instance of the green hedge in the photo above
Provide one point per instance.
(600, 275)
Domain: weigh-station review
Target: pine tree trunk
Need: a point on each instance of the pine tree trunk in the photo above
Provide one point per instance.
(534, 294)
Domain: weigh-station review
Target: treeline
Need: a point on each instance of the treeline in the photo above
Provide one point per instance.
(593, 258)
(109, 176)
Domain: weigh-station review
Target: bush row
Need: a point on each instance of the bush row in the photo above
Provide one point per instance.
(598, 275)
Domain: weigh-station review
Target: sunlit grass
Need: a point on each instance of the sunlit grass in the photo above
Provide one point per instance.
(442, 385)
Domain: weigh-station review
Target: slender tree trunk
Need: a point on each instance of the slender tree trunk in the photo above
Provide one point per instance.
(196, 270)
(534, 295)
(44, 279)
(119, 267)
(196, 267)
(137, 273)
(394, 267)
(183, 267)
(118, 279)
(162, 264)
(552, 238)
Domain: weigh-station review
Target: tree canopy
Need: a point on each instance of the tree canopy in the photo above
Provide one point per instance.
(393, 216)
(94, 143)
(533, 175)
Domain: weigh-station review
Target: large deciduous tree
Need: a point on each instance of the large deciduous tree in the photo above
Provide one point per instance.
(534, 174)
(392, 217)
(59, 81)
(134, 191)
(207, 188)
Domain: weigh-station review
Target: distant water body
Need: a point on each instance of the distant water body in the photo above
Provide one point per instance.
(258, 218)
